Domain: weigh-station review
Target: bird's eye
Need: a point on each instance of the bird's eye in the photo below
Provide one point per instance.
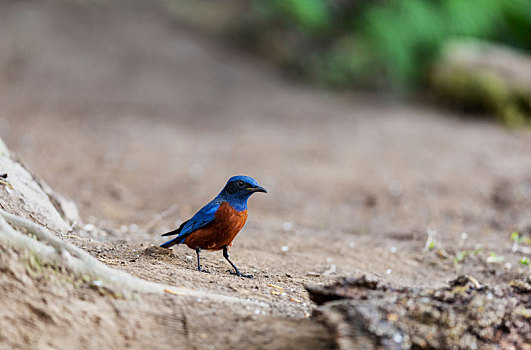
(241, 184)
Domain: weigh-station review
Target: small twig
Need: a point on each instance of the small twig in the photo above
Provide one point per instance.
(5, 183)
(475, 282)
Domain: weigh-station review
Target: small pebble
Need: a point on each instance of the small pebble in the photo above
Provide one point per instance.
(97, 283)
(352, 244)
(284, 248)
(388, 271)
(286, 226)
(393, 250)
(189, 257)
(398, 338)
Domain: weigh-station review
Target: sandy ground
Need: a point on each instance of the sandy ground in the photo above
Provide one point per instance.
(140, 120)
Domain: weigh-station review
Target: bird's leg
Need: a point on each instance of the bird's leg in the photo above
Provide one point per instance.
(198, 251)
(226, 255)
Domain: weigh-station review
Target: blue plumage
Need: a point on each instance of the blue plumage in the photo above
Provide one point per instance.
(237, 197)
(236, 193)
(202, 218)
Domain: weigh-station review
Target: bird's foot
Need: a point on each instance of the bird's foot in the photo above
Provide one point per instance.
(202, 270)
(239, 274)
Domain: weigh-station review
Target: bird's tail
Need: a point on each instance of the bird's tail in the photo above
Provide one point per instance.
(171, 243)
(176, 240)
(171, 233)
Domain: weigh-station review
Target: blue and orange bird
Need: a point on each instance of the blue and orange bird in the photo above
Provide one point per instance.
(215, 226)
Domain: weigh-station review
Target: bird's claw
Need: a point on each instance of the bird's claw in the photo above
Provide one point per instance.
(203, 270)
(239, 274)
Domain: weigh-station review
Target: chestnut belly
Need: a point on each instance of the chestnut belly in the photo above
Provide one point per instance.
(221, 232)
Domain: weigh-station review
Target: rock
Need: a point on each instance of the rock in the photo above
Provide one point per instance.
(156, 250)
(367, 313)
(485, 77)
(25, 195)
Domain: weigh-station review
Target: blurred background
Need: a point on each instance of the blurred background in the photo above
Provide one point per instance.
(393, 138)
(368, 121)
(471, 54)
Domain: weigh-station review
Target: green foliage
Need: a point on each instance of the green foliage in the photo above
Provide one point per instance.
(33, 266)
(391, 43)
(493, 258)
(310, 15)
(515, 236)
(461, 255)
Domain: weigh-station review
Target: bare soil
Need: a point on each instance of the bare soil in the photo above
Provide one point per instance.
(141, 119)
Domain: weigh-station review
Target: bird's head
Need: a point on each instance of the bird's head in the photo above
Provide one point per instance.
(240, 188)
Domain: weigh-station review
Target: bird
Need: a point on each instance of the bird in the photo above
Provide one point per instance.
(215, 226)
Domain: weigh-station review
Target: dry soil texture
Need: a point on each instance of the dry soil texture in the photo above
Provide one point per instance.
(141, 119)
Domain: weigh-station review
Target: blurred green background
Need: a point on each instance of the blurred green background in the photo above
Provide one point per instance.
(402, 47)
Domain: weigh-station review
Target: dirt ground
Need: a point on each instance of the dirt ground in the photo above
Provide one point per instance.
(141, 119)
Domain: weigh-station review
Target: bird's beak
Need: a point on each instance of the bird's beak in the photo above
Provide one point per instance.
(257, 189)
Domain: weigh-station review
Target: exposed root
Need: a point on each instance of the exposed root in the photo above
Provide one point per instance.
(53, 251)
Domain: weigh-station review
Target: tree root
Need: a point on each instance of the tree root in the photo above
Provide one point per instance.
(55, 252)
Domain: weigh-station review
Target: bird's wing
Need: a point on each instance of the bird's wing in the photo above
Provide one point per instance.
(202, 218)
